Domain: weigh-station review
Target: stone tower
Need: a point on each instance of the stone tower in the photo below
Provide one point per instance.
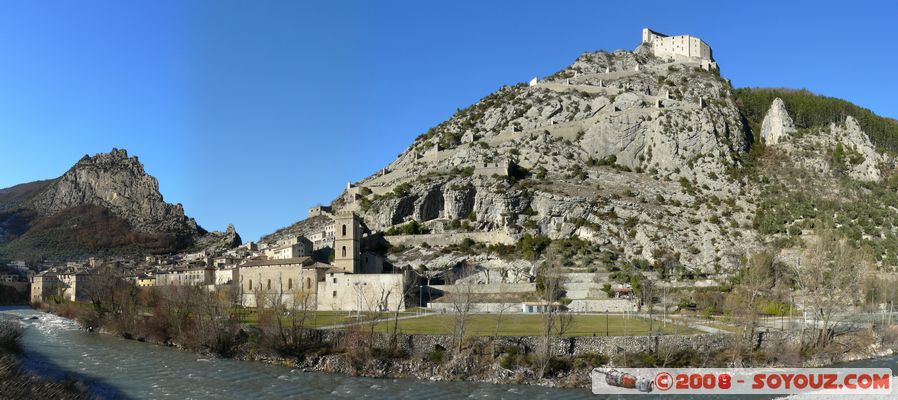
(347, 232)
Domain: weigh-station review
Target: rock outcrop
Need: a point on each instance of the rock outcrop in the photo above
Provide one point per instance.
(119, 183)
(836, 150)
(218, 242)
(105, 203)
(777, 123)
(866, 163)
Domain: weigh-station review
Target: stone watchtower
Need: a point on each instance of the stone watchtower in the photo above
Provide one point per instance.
(347, 232)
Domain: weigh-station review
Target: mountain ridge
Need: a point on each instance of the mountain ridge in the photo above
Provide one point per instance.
(105, 202)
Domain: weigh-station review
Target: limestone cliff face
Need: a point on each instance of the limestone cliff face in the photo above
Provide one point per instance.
(777, 123)
(646, 159)
(858, 159)
(620, 149)
(119, 183)
(868, 166)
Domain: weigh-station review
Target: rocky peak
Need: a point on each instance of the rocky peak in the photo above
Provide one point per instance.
(217, 242)
(865, 163)
(777, 123)
(104, 204)
(119, 183)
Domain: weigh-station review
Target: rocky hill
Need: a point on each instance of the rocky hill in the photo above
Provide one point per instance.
(624, 150)
(106, 203)
(627, 163)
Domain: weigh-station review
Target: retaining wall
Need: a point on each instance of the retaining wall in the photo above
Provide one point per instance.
(605, 345)
(445, 239)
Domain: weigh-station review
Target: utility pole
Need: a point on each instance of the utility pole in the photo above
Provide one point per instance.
(782, 318)
(891, 310)
(651, 306)
(791, 307)
(626, 328)
(664, 321)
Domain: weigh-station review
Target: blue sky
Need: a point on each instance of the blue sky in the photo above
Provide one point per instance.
(251, 112)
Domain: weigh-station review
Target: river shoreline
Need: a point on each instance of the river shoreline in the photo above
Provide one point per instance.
(117, 368)
(459, 371)
(469, 367)
(17, 382)
(156, 370)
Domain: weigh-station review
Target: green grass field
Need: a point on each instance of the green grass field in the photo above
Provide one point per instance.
(533, 325)
(317, 319)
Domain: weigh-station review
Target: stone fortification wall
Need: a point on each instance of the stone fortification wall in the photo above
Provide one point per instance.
(445, 239)
(487, 288)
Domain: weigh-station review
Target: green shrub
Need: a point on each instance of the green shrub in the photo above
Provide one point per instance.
(402, 189)
(411, 228)
(437, 355)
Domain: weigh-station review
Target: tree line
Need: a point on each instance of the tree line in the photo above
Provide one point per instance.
(809, 110)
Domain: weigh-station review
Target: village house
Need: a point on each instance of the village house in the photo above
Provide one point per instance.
(225, 276)
(144, 280)
(18, 265)
(292, 247)
(322, 239)
(225, 261)
(14, 281)
(73, 286)
(186, 277)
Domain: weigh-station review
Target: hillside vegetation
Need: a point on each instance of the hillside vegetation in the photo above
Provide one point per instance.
(86, 231)
(809, 110)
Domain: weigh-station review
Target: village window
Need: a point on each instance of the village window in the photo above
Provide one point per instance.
(250, 287)
(290, 283)
(269, 284)
(344, 251)
(335, 280)
(308, 283)
(335, 293)
(344, 229)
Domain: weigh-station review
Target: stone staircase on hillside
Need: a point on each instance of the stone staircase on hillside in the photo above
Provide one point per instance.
(582, 285)
(587, 294)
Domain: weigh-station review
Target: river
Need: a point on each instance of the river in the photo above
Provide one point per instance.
(118, 368)
(115, 368)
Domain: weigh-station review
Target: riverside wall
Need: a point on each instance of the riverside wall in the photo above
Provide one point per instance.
(571, 346)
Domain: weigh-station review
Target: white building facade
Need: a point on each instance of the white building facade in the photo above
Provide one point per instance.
(679, 47)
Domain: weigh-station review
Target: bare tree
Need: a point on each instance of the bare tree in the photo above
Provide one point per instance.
(301, 309)
(213, 326)
(503, 307)
(557, 320)
(461, 296)
(407, 289)
(107, 289)
(744, 301)
(828, 278)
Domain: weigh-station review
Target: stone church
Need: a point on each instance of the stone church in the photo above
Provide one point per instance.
(355, 281)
